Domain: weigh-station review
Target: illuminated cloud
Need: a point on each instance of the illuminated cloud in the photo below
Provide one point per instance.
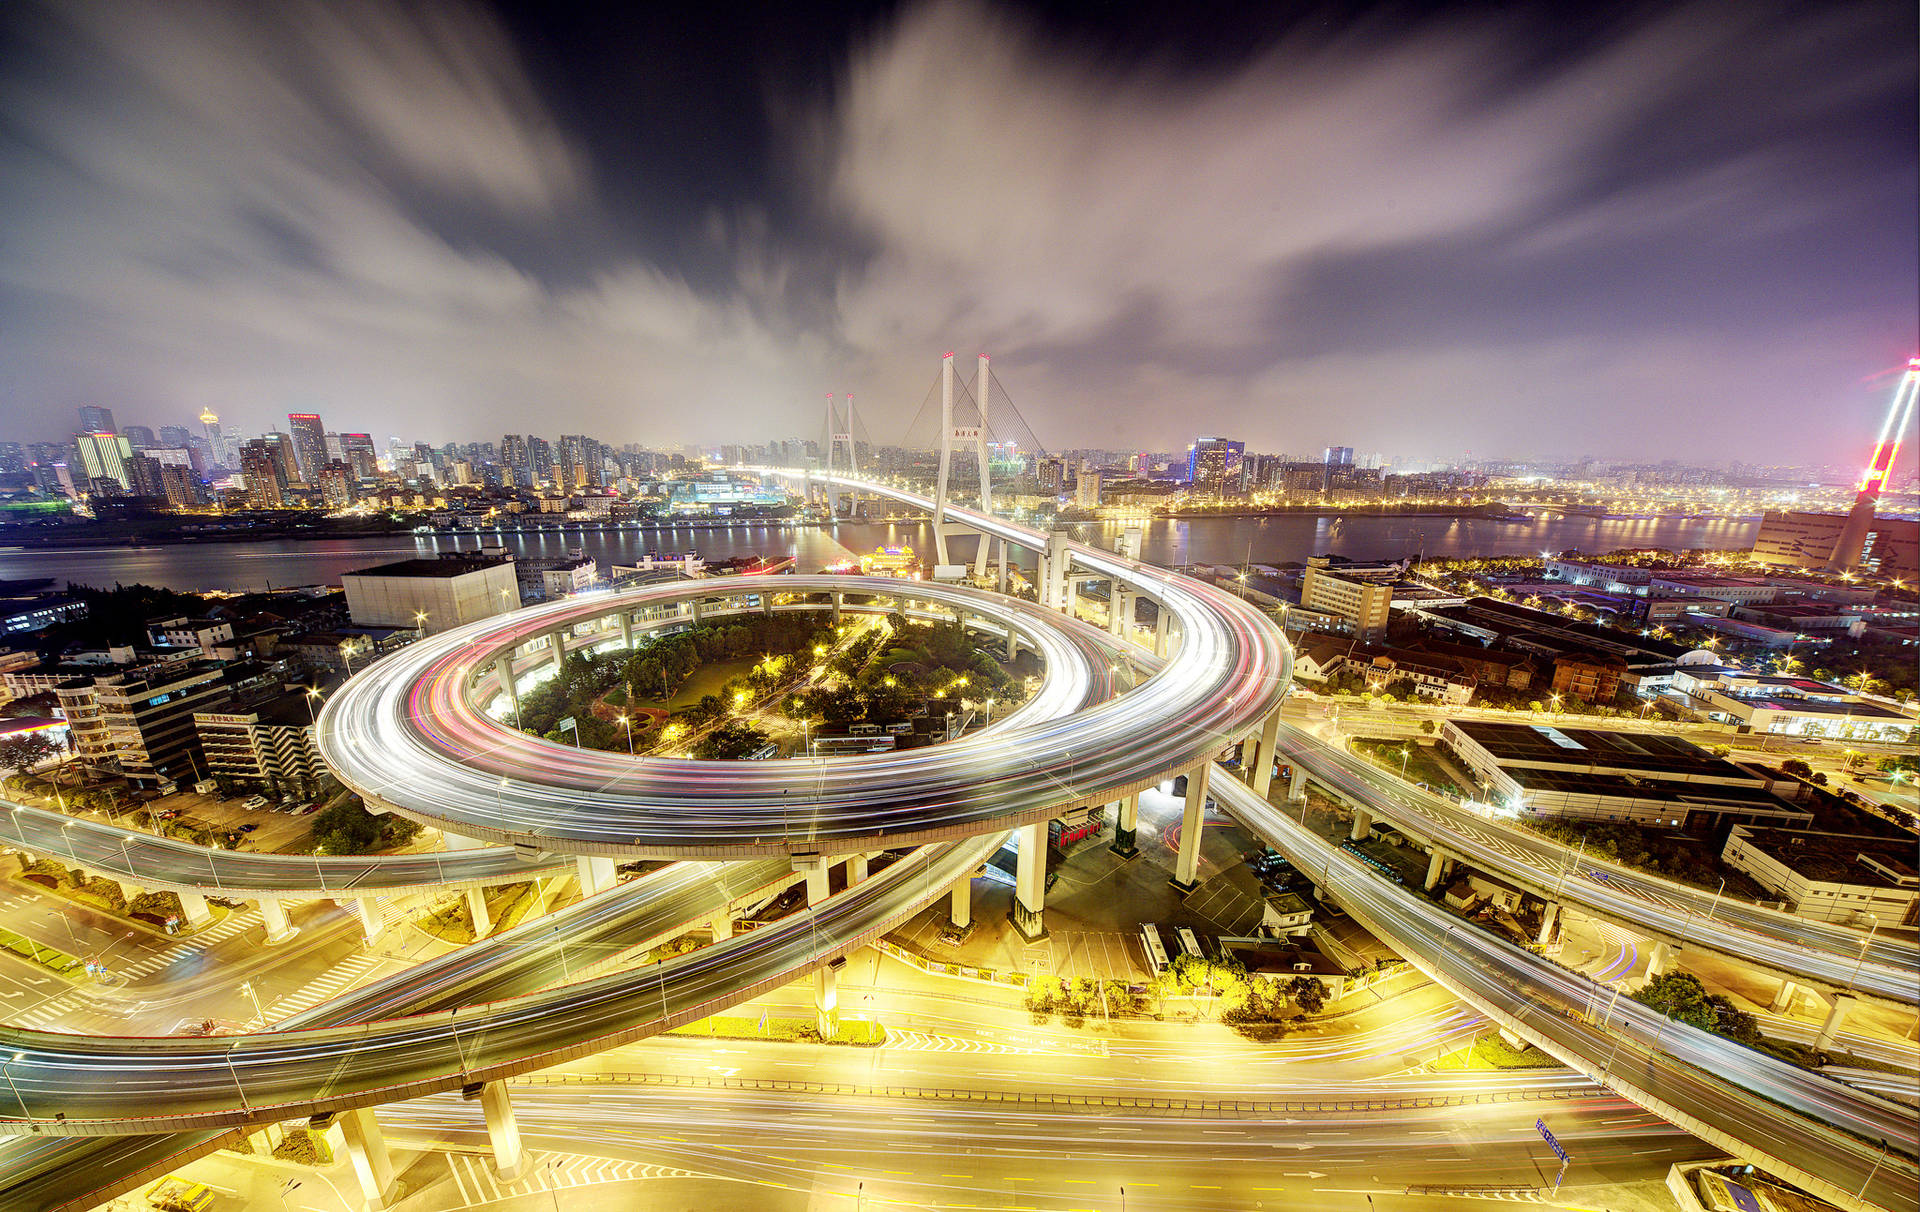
(1419, 240)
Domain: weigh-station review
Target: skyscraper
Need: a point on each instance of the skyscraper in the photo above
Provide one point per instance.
(360, 454)
(141, 436)
(1213, 465)
(260, 463)
(309, 444)
(104, 456)
(95, 419)
(1339, 456)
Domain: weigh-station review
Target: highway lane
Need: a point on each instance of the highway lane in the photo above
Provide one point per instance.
(1809, 1129)
(169, 864)
(48, 1172)
(408, 733)
(836, 1152)
(1835, 956)
(101, 1085)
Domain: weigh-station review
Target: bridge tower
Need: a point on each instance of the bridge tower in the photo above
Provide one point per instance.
(976, 434)
(838, 437)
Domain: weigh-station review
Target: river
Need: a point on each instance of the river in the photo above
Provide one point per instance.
(1269, 540)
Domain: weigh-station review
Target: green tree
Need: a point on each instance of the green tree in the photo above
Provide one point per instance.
(1308, 993)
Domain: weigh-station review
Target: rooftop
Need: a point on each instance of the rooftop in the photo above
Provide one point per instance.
(437, 569)
(1651, 755)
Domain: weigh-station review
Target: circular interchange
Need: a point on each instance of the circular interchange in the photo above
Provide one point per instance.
(411, 734)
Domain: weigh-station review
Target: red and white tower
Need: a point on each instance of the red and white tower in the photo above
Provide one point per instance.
(1852, 542)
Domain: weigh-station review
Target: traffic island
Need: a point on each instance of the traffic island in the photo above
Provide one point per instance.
(857, 1033)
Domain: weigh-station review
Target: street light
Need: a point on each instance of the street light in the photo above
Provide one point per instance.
(257, 1009)
(1864, 944)
(629, 723)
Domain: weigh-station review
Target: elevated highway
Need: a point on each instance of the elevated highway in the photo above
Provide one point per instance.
(1222, 684)
(1819, 954)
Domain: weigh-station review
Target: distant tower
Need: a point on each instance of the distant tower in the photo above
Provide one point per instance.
(1852, 542)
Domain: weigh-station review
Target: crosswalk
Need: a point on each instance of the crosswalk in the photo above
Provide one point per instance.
(45, 1013)
(920, 1041)
(475, 1181)
(237, 922)
(338, 979)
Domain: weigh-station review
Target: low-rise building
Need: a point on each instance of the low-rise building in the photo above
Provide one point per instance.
(211, 638)
(546, 580)
(1364, 602)
(269, 746)
(1789, 706)
(1831, 877)
(1594, 774)
(432, 595)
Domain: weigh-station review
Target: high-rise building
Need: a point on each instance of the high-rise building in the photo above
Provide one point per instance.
(175, 437)
(182, 487)
(95, 419)
(360, 454)
(1213, 465)
(140, 437)
(1339, 456)
(338, 485)
(266, 481)
(283, 453)
(539, 460)
(145, 472)
(104, 455)
(309, 444)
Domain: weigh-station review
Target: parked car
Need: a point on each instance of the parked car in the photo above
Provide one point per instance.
(248, 828)
(256, 803)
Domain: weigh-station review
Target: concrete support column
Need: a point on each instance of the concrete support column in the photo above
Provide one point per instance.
(477, 912)
(503, 669)
(1119, 608)
(1549, 917)
(696, 613)
(815, 868)
(1069, 594)
(1055, 566)
(722, 925)
(1362, 827)
(626, 630)
(839, 600)
(371, 921)
(559, 642)
(503, 1130)
(960, 904)
(1126, 823)
(1030, 883)
(279, 929)
(856, 868)
(1266, 753)
(367, 1150)
(596, 873)
(1297, 785)
(826, 995)
(1162, 623)
(1783, 1000)
(193, 909)
(1436, 867)
(1000, 566)
(1193, 821)
(1658, 956)
(1842, 1002)
(1013, 645)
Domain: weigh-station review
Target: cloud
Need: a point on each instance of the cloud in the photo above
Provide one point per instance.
(1422, 240)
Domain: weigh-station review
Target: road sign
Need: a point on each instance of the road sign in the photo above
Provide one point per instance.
(565, 723)
(1551, 1143)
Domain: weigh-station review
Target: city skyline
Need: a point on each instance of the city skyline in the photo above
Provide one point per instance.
(1706, 215)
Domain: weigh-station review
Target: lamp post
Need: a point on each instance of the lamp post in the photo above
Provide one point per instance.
(629, 725)
(257, 1008)
(1864, 944)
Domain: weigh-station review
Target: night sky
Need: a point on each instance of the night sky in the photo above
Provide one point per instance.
(1643, 232)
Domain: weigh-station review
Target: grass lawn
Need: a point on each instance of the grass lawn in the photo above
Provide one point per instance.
(1420, 766)
(858, 1032)
(706, 680)
(1492, 1052)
